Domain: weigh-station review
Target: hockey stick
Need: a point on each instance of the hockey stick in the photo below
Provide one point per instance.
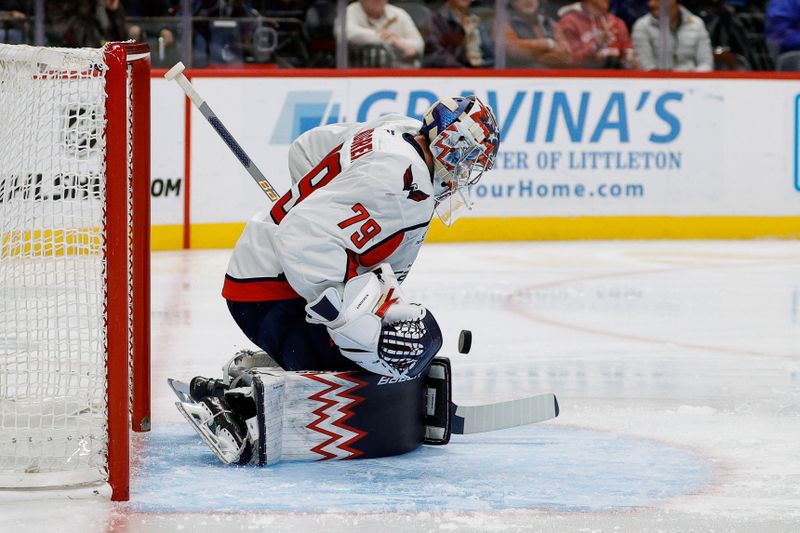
(176, 74)
(494, 416)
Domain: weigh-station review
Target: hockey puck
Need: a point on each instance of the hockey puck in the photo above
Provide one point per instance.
(464, 341)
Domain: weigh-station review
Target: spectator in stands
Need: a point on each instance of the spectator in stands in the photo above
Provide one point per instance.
(318, 26)
(149, 8)
(783, 24)
(629, 10)
(532, 41)
(596, 38)
(458, 38)
(216, 44)
(375, 23)
(78, 23)
(688, 46)
(12, 18)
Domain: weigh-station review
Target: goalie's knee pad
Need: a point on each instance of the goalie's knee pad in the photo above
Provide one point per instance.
(236, 369)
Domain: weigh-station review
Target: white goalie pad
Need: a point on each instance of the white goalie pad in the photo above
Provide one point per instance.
(303, 415)
(290, 424)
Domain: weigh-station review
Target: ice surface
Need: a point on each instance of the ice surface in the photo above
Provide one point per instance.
(676, 364)
(543, 467)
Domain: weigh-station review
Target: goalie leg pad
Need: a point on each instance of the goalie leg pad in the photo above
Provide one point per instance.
(312, 416)
(306, 416)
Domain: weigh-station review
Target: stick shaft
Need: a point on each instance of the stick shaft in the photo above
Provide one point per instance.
(227, 138)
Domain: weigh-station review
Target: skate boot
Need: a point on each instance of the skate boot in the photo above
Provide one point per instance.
(201, 387)
(228, 431)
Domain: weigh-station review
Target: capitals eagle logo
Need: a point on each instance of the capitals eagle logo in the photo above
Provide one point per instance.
(408, 185)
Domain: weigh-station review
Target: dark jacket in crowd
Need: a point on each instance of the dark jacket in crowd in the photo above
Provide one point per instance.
(445, 45)
(23, 6)
(148, 8)
(783, 23)
(226, 8)
(78, 23)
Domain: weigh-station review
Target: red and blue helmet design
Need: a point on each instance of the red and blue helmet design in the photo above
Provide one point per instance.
(464, 140)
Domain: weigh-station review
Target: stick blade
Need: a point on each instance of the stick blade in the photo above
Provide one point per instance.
(494, 416)
(175, 71)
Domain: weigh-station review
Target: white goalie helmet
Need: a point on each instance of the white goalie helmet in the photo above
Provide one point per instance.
(464, 140)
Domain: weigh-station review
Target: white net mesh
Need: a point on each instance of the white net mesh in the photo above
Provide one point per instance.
(52, 333)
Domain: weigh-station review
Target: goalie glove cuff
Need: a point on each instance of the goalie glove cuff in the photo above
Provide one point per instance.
(403, 313)
(326, 309)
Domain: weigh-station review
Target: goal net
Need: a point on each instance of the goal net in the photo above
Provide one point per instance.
(69, 351)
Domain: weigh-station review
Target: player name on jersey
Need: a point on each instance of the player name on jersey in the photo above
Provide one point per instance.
(362, 144)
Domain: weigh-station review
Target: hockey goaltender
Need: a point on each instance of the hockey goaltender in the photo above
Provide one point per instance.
(348, 366)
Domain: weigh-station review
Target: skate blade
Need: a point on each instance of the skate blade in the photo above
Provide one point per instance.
(181, 390)
(197, 416)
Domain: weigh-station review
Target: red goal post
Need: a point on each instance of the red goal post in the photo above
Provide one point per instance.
(128, 170)
(74, 265)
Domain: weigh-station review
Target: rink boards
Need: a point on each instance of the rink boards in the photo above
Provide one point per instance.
(580, 157)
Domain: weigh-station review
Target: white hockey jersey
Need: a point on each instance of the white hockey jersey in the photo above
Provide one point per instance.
(361, 195)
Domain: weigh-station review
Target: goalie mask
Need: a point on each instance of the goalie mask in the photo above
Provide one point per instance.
(464, 140)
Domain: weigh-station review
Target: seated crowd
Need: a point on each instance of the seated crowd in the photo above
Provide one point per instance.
(703, 35)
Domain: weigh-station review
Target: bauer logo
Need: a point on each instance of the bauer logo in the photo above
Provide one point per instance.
(796, 146)
(303, 110)
(387, 380)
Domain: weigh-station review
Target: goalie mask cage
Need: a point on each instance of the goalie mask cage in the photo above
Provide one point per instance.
(74, 265)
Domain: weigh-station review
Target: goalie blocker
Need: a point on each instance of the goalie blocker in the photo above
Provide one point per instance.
(301, 416)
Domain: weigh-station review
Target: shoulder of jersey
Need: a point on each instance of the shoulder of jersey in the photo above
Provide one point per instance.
(404, 170)
(388, 138)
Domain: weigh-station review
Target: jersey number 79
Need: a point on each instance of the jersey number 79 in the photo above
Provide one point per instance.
(318, 177)
(368, 229)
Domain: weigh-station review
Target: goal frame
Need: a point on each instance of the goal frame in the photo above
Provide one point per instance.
(124, 299)
(128, 67)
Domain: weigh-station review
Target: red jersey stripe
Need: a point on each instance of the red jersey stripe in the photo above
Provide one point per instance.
(379, 253)
(257, 291)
